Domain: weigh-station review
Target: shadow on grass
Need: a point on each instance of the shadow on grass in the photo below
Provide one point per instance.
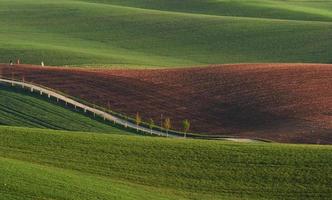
(44, 97)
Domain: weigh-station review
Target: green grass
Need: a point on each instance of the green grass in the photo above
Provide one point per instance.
(25, 180)
(271, 9)
(18, 108)
(43, 164)
(165, 33)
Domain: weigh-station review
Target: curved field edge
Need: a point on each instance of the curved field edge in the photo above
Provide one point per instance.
(270, 9)
(113, 35)
(280, 102)
(192, 169)
(21, 108)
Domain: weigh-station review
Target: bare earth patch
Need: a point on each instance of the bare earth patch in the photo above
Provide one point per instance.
(280, 102)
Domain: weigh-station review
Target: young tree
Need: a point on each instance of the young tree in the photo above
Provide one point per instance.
(138, 121)
(186, 127)
(161, 121)
(126, 123)
(151, 124)
(23, 80)
(167, 125)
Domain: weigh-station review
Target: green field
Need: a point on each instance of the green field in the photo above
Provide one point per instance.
(86, 158)
(20, 109)
(43, 164)
(164, 32)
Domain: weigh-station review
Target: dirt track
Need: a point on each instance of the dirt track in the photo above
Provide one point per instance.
(281, 102)
(86, 108)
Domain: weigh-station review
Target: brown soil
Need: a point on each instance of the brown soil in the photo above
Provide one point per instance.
(280, 102)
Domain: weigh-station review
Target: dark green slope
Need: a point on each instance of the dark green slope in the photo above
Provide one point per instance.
(272, 9)
(20, 109)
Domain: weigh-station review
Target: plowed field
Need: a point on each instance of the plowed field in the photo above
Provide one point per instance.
(281, 102)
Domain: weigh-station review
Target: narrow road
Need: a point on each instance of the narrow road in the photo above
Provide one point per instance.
(84, 107)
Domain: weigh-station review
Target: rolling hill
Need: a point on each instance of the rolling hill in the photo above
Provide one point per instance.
(164, 33)
(167, 58)
(281, 102)
(18, 108)
(43, 164)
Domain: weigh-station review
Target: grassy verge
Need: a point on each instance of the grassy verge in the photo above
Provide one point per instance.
(20, 108)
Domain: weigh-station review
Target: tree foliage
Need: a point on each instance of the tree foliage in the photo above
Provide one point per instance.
(151, 124)
(167, 124)
(186, 126)
(138, 120)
